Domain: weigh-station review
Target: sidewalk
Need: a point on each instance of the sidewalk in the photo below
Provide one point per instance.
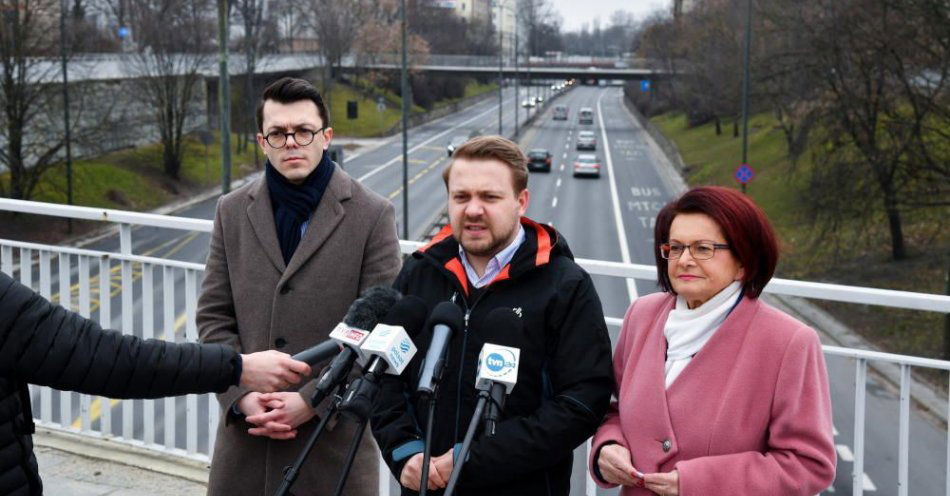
(75, 465)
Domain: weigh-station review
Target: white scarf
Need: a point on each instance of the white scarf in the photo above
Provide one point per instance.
(687, 331)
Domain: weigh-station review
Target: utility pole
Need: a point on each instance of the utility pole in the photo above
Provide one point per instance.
(517, 75)
(406, 100)
(224, 95)
(745, 86)
(501, 54)
(69, 155)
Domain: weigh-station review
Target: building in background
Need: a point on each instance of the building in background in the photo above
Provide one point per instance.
(503, 19)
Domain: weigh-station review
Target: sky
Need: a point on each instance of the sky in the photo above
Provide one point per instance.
(576, 12)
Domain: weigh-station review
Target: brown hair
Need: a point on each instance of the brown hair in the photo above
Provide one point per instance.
(747, 230)
(494, 148)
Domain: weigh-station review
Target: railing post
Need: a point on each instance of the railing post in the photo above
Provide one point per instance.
(148, 332)
(168, 319)
(105, 320)
(904, 432)
(860, 390)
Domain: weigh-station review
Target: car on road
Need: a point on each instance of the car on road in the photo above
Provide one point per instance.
(560, 112)
(586, 140)
(539, 159)
(529, 103)
(585, 115)
(458, 140)
(586, 164)
(538, 100)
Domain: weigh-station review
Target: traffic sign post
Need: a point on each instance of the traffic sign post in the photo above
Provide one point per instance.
(744, 174)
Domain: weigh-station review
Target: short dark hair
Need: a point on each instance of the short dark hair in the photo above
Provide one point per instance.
(747, 230)
(494, 148)
(290, 90)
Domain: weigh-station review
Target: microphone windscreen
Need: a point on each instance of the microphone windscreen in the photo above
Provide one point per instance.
(365, 312)
(449, 314)
(409, 313)
(504, 319)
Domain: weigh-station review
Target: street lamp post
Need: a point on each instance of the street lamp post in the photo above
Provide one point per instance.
(224, 96)
(501, 54)
(517, 75)
(745, 87)
(406, 99)
(66, 131)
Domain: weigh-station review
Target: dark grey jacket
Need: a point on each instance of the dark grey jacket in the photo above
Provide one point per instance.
(44, 344)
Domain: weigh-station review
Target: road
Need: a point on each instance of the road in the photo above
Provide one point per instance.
(610, 218)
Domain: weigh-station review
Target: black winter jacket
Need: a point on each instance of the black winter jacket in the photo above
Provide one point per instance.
(565, 375)
(44, 344)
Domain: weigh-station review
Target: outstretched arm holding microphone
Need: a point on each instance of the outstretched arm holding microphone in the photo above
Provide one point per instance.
(46, 344)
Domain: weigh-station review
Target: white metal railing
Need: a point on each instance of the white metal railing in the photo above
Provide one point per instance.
(90, 266)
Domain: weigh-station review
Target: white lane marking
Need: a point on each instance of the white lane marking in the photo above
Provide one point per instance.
(567, 145)
(615, 200)
(554, 202)
(564, 155)
(844, 452)
(867, 483)
(562, 166)
(558, 185)
(835, 429)
(426, 142)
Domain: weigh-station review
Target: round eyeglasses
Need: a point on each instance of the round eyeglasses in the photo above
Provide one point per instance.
(303, 137)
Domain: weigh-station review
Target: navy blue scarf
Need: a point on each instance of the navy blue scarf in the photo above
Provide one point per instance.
(293, 204)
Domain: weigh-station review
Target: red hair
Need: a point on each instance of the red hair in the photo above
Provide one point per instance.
(747, 230)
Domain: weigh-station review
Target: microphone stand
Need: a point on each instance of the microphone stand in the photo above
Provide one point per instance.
(356, 404)
(483, 397)
(427, 448)
(291, 472)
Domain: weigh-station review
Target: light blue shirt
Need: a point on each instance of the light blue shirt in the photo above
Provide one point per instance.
(498, 262)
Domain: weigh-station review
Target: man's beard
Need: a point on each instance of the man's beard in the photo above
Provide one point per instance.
(495, 246)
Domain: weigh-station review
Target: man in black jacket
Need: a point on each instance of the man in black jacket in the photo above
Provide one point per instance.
(489, 257)
(45, 344)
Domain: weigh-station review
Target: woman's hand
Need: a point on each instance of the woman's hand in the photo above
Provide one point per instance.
(616, 466)
(664, 484)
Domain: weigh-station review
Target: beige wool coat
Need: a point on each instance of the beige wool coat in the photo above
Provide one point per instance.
(251, 301)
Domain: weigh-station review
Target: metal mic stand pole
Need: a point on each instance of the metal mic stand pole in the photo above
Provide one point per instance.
(483, 397)
(427, 448)
(291, 473)
(350, 456)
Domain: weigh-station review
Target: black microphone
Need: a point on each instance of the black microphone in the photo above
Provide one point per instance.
(446, 319)
(319, 353)
(391, 348)
(362, 315)
(509, 324)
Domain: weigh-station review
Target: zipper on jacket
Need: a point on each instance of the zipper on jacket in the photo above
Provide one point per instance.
(458, 392)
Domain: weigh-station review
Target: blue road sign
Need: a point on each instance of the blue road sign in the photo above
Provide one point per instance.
(123, 32)
(744, 173)
(645, 85)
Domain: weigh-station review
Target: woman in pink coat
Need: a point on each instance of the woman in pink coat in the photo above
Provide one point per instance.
(717, 392)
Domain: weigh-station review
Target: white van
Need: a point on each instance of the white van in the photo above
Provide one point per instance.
(585, 116)
(560, 112)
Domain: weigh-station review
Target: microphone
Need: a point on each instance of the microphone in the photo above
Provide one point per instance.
(363, 314)
(446, 319)
(391, 348)
(498, 366)
(318, 353)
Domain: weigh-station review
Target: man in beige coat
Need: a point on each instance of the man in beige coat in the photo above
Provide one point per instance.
(289, 254)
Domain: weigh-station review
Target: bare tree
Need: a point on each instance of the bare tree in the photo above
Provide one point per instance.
(884, 70)
(251, 13)
(32, 139)
(336, 25)
(173, 48)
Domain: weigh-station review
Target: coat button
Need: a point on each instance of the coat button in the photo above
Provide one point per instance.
(286, 289)
(667, 445)
(280, 343)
